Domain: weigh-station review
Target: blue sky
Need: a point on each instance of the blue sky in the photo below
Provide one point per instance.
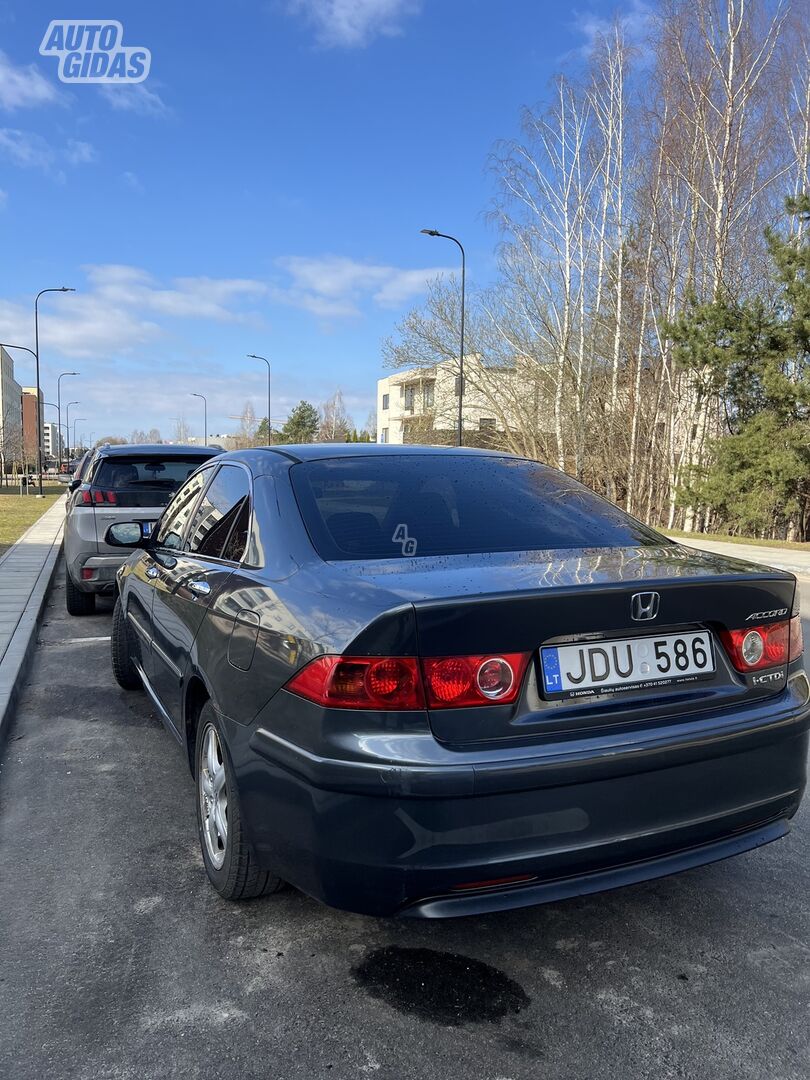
(262, 191)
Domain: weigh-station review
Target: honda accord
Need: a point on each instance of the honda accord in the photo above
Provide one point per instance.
(434, 682)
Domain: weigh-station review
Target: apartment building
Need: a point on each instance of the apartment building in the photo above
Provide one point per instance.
(30, 399)
(52, 441)
(10, 408)
(411, 402)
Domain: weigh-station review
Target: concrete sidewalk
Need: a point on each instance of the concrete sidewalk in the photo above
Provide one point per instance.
(796, 562)
(26, 570)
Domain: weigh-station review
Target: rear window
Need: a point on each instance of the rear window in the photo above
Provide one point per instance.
(406, 506)
(144, 480)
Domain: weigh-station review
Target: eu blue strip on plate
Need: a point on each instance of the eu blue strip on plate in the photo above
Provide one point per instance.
(551, 670)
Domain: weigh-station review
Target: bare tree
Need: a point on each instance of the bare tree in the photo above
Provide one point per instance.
(335, 421)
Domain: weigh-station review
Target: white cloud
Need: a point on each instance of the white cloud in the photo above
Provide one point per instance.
(635, 23)
(26, 149)
(123, 308)
(135, 98)
(23, 87)
(354, 23)
(132, 181)
(80, 153)
(332, 286)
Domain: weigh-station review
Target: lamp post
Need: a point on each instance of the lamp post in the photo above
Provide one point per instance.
(67, 425)
(41, 292)
(59, 404)
(76, 419)
(446, 236)
(253, 356)
(205, 416)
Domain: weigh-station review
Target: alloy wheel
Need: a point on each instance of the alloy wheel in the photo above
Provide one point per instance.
(213, 798)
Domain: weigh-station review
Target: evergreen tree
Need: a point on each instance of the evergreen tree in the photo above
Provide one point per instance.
(754, 356)
(302, 424)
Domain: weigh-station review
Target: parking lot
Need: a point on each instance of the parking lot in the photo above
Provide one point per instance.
(119, 960)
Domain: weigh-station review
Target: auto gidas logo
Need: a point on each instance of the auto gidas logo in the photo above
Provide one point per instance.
(94, 52)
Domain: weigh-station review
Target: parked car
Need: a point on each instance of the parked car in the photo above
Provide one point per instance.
(115, 483)
(437, 682)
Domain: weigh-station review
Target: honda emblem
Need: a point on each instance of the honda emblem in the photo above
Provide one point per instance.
(644, 606)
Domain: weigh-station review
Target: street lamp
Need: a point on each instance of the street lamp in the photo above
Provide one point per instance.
(76, 419)
(41, 292)
(59, 404)
(205, 416)
(67, 424)
(446, 236)
(253, 356)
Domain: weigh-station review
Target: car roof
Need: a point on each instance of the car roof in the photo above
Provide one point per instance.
(162, 449)
(323, 451)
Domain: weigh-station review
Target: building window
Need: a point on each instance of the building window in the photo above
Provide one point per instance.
(384, 435)
(429, 394)
(409, 397)
(386, 400)
(486, 423)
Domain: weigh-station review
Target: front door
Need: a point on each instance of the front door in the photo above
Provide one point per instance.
(191, 579)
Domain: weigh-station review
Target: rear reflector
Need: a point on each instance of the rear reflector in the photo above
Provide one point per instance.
(398, 682)
(495, 883)
(756, 647)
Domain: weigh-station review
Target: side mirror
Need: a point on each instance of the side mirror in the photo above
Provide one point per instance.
(130, 534)
(73, 484)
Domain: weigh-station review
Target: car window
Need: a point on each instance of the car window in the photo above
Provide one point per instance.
(144, 480)
(221, 525)
(440, 504)
(175, 517)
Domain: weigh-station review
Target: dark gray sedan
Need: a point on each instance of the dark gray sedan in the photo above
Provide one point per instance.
(435, 682)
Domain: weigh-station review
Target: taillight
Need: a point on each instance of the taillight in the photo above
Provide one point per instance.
(757, 647)
(91, 496)
(796, 645)
(361, 682)
(453, 682)
(398, 682)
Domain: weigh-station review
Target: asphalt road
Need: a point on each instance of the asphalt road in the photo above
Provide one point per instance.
(117, 960)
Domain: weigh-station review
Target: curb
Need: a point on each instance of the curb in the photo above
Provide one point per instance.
(21, 647)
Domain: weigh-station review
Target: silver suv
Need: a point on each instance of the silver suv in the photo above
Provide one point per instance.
(117, 483)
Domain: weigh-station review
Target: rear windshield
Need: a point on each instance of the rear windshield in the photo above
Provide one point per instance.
(144, 480)
(406, 506)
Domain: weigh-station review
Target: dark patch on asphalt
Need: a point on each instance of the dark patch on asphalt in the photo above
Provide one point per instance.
(440, 986)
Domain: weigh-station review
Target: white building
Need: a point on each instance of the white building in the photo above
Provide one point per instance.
(10, 409)
(52, 441)
(428, 397)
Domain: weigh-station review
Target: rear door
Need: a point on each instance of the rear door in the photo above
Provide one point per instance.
(188, 581)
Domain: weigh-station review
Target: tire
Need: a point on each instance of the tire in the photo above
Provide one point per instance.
(124, 670)
(76, 601)
(231, 864)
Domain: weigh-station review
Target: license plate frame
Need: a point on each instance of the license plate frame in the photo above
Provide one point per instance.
(641, 649)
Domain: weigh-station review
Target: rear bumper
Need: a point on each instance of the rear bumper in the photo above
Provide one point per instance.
(411, 845)
(103, 568)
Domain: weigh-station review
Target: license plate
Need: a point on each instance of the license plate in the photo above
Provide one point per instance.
(594, 667)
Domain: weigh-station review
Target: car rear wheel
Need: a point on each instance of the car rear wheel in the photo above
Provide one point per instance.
(76, 601)
(230, 861)
(123, 666)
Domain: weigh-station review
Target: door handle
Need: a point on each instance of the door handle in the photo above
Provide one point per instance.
(202, 588)
(152, 572)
